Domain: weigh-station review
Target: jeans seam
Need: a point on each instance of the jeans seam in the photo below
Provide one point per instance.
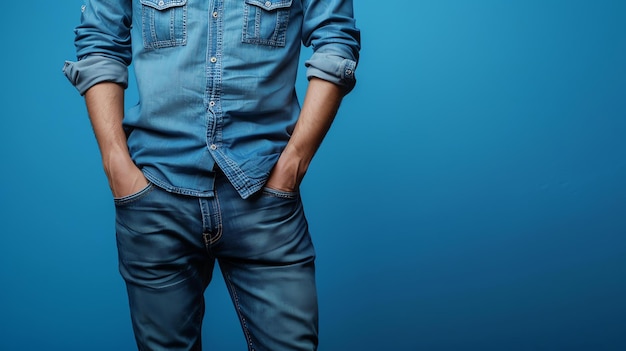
(218, 218)
(211, 229)
(242, 319)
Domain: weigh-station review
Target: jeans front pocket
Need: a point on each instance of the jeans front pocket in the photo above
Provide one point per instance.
(281, 194)
(129, 199)
(164, 23)
(266, 21)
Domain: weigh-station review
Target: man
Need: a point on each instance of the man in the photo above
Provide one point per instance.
(208, 164)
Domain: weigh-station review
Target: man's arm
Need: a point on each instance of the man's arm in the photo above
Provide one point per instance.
(105, 105)
(329, 27)
(320, 106)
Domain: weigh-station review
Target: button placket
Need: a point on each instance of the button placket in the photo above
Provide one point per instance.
(214, 72)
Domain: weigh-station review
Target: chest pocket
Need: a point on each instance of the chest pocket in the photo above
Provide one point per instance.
(163, 23)
(265, 22)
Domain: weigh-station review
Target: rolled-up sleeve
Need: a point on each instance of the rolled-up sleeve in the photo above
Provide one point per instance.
(330, 28)
(94, 69)
(103, 45)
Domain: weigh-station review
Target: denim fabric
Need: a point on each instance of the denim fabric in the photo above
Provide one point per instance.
(215, 79)
(168, 244)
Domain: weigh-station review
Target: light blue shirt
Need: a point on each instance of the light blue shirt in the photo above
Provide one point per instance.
(215, 78)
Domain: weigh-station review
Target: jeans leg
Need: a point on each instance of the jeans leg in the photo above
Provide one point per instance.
(163, 261)
(267, 259)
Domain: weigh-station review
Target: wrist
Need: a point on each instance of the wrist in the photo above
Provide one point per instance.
(294, 161)
(117, 162)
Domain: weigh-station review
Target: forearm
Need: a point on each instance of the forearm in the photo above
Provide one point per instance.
(320, 106)
(105, 105)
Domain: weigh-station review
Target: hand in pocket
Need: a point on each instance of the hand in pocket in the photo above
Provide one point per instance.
(125, 178)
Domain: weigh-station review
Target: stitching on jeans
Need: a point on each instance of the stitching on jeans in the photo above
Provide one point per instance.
(242, 319)
(125, 200)
(218, 225)
(207, 239)
(279, 193)
(203, 213)
(211, 235)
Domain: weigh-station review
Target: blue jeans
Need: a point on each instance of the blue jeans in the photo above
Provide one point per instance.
(168, 245)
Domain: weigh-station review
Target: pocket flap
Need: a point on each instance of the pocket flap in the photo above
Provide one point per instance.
(269, 5)
(163, 4)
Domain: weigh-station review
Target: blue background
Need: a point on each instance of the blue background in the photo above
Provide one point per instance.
(470, 195)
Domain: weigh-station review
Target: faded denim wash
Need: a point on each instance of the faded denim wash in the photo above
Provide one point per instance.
(168, 244)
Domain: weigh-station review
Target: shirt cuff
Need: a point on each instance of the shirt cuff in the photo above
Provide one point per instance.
(95, 69)
(332, 68)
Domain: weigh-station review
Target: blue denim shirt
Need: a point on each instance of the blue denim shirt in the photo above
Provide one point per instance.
(215, 79)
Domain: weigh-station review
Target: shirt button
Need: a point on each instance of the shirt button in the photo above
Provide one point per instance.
(213, 147)
(213, 59)
(161, 3)
(215, 14)
(212, 103)
(348, 72)
(268, 3)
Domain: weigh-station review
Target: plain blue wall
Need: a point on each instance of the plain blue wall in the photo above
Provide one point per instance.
(470, 195)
